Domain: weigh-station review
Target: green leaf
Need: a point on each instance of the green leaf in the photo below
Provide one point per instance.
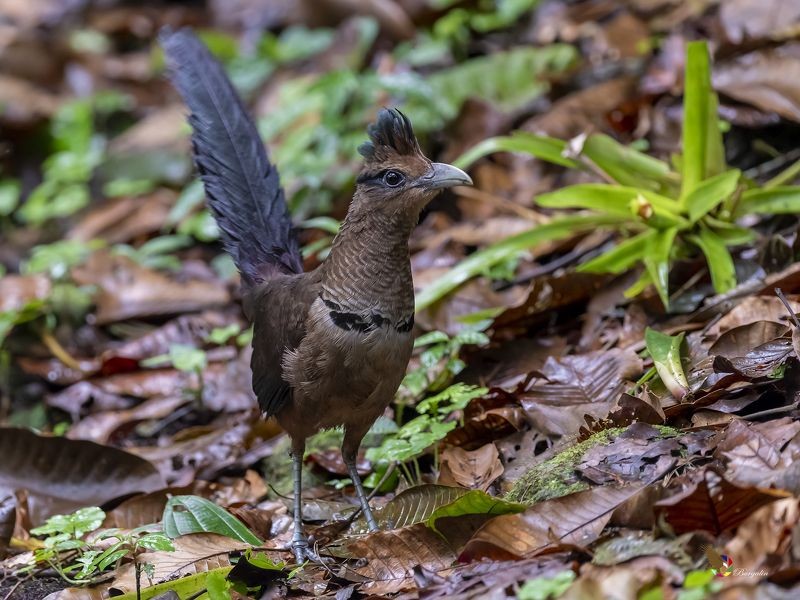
(475, 502)
(709, 193)
(624, 202)
(540, 146)
(76, 524)
(220, 335)
(187, 358)
(773, 201)
(785, 176)
(504, 79)
(546, 588)
(627, 166)
(665, 351)
(9, 196)
(217, 586)
(156, 541)
(656, 261)
(731, 234)
(720, 261)
(621, 257)
(192, 514)
(186, 587)
(638, 286)
(703, 153)
(477, 262)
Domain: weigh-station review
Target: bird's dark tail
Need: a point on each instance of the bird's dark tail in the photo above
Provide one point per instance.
(242, 186)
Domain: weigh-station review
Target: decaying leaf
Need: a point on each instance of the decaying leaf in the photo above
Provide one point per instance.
(574, 520)
(709, 502)
(62, 475)
(574, 386)
(475, 469)
(392, 557)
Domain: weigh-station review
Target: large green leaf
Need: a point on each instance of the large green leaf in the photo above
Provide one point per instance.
(773, 201)
(620, 258)
(627, 166)
(657, 261)
(709, 193)
(475, 502)
(720, 261)
(540, 146)
(622, 201)
(186, 587)
(483, 259)
(191, 514)
(665, 351)
(703, 153)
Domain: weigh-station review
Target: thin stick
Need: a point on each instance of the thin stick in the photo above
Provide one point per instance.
(58, 350)
(773, 411)
(783, 299)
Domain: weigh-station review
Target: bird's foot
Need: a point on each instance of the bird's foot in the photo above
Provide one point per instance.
(303, 552)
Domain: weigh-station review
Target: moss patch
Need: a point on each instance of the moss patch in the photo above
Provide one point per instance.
(556, 476)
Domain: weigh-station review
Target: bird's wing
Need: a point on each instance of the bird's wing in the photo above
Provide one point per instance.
(280, 310)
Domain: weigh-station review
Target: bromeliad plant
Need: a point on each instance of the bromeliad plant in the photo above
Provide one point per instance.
(664, 211)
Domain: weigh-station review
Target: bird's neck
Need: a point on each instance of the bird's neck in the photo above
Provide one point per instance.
(369, 267)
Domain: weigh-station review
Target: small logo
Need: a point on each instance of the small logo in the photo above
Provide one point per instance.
(721, 564)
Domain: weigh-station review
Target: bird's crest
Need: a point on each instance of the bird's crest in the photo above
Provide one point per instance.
(390, 134)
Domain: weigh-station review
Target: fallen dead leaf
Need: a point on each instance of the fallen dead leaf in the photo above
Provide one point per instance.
(393, 556)
(61, 475)
(129, 290)
(576, 520)
(573, 386)
(709, 502)
(475, 469)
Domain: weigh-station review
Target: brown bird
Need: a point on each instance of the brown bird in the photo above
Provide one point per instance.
(331, 346)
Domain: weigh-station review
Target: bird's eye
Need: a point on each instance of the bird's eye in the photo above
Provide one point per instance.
(393, 178)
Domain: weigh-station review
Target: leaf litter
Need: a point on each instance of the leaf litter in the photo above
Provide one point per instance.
(616, 450)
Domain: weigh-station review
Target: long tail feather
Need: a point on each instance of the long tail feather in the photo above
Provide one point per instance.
(242, 187)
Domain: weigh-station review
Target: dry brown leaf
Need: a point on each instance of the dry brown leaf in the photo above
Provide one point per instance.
(17, 290)
(751, 310)
(24, 103)
(62, 475)
(195, 553)
(759, 19)
(741, 340)
(768, 79)
(129, 290)
(574, 386)
(765, 532)
(124, 219)
(628, 580)
(708, 502)
(475, 469)
(392, 557)
(575, 520)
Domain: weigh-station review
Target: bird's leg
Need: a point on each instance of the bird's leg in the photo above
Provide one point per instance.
(299, 540)
(349, 454)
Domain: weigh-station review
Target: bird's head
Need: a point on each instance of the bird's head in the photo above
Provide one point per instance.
(397, 177)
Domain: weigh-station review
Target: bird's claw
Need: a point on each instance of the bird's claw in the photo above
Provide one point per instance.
(303, 553)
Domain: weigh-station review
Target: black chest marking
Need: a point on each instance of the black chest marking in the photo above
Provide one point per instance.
(365, 323)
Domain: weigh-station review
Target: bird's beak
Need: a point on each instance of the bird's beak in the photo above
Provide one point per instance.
(443, 175)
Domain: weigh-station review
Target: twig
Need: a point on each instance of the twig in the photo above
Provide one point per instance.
(58, 350)
(783, 299)
(773, 411)
(502, 203)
